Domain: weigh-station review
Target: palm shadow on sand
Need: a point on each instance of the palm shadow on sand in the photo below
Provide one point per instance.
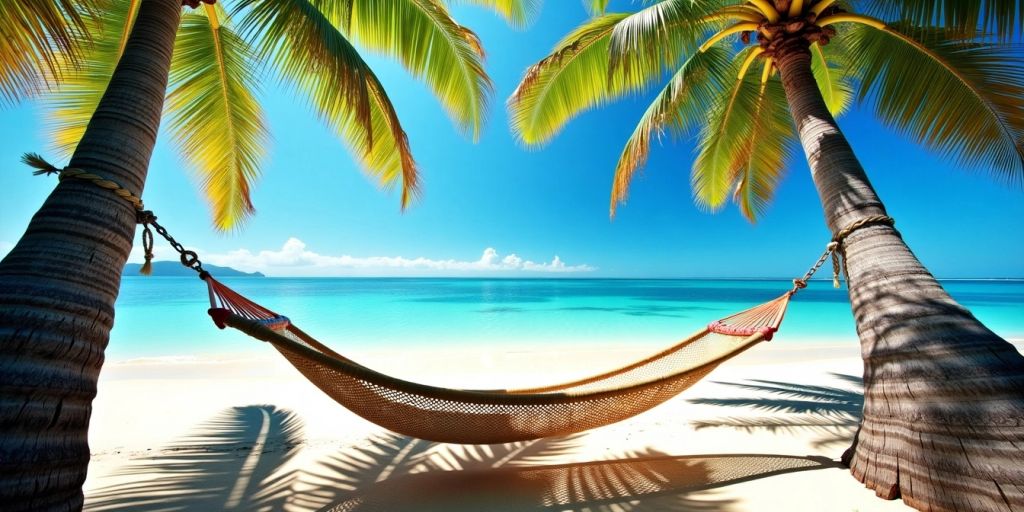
(829, 413)
(236, 462)
(231, 462)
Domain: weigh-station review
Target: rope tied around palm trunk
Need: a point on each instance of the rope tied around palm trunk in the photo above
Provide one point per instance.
(142, 216)
(837, 250)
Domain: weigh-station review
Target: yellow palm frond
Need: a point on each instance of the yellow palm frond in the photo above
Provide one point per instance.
(743, 145)
(573, 78)
(596, 7)
(760, 161)
(424, 38)
(682, 106)
(832, 70)
(40, 42)
(215, 118)
(518, 13)
(658, 36)
(309, 52)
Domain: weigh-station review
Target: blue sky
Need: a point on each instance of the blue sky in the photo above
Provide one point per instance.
(318, 215)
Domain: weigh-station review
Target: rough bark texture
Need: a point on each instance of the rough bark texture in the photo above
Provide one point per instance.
(59, 283)
(943, 423)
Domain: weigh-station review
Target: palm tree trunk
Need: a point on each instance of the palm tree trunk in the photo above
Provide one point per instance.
(59, 283)
(943, 423)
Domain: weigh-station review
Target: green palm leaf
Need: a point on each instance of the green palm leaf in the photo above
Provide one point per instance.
(518, 13)
(596, 7)
(40, 41)
(214, 116)
(682, 105)
(576, 76)
(573, 78)
(761, 161)
(965, 18)
(300, 42)
(832, 70)
(422, 35)
(658, 36)
(69, 109)
(603, 59)
(963, 99)
(742, 147)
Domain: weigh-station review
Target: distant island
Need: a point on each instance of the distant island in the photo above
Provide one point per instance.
(175, 269)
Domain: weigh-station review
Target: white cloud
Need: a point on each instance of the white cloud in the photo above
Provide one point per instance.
(5, 247)
(295, 259)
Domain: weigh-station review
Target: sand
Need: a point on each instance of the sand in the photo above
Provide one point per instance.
(760, 433)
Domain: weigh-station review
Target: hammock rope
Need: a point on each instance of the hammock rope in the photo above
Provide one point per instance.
(486, 416)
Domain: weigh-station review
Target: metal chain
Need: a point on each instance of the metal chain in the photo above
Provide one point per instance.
(145, 217)
(801, 283)
(836, 250)
(188, 258)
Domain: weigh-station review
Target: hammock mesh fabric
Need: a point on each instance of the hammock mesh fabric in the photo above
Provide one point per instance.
(490, 416)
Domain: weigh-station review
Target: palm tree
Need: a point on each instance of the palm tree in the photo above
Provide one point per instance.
(59, 283)
(943, 418)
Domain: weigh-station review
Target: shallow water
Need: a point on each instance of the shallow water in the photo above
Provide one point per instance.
(166, 316)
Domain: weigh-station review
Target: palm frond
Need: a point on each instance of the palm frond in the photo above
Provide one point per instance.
(658, 36)
(571, 79)
(518, 13)
(70, 107)
(762, 158)
(215, 118)
(963, 99)
(681, 105)
(422, 35)
(576, 76)
(963, 18)
(743, 146)
(308, 52)
(596, 7)
(41, 41)
(834, 71)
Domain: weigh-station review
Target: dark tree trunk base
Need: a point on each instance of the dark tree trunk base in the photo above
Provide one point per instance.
(966, 468)
(943, 422)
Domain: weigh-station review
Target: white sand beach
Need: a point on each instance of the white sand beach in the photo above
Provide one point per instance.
(760, 433)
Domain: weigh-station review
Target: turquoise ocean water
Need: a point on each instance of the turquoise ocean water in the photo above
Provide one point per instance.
(166, 316)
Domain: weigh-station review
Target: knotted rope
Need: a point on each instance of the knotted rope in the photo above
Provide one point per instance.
(837, 250)
(142, 216)
(43, 167)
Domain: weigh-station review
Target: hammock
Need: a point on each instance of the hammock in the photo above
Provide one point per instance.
(483, 416)
(500, 416)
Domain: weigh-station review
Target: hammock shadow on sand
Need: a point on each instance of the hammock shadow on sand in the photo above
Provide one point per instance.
(420, 477)
(643, 481)
(237, 462)
(832, 413)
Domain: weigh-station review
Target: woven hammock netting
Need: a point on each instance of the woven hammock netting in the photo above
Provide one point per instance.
(490, 416)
